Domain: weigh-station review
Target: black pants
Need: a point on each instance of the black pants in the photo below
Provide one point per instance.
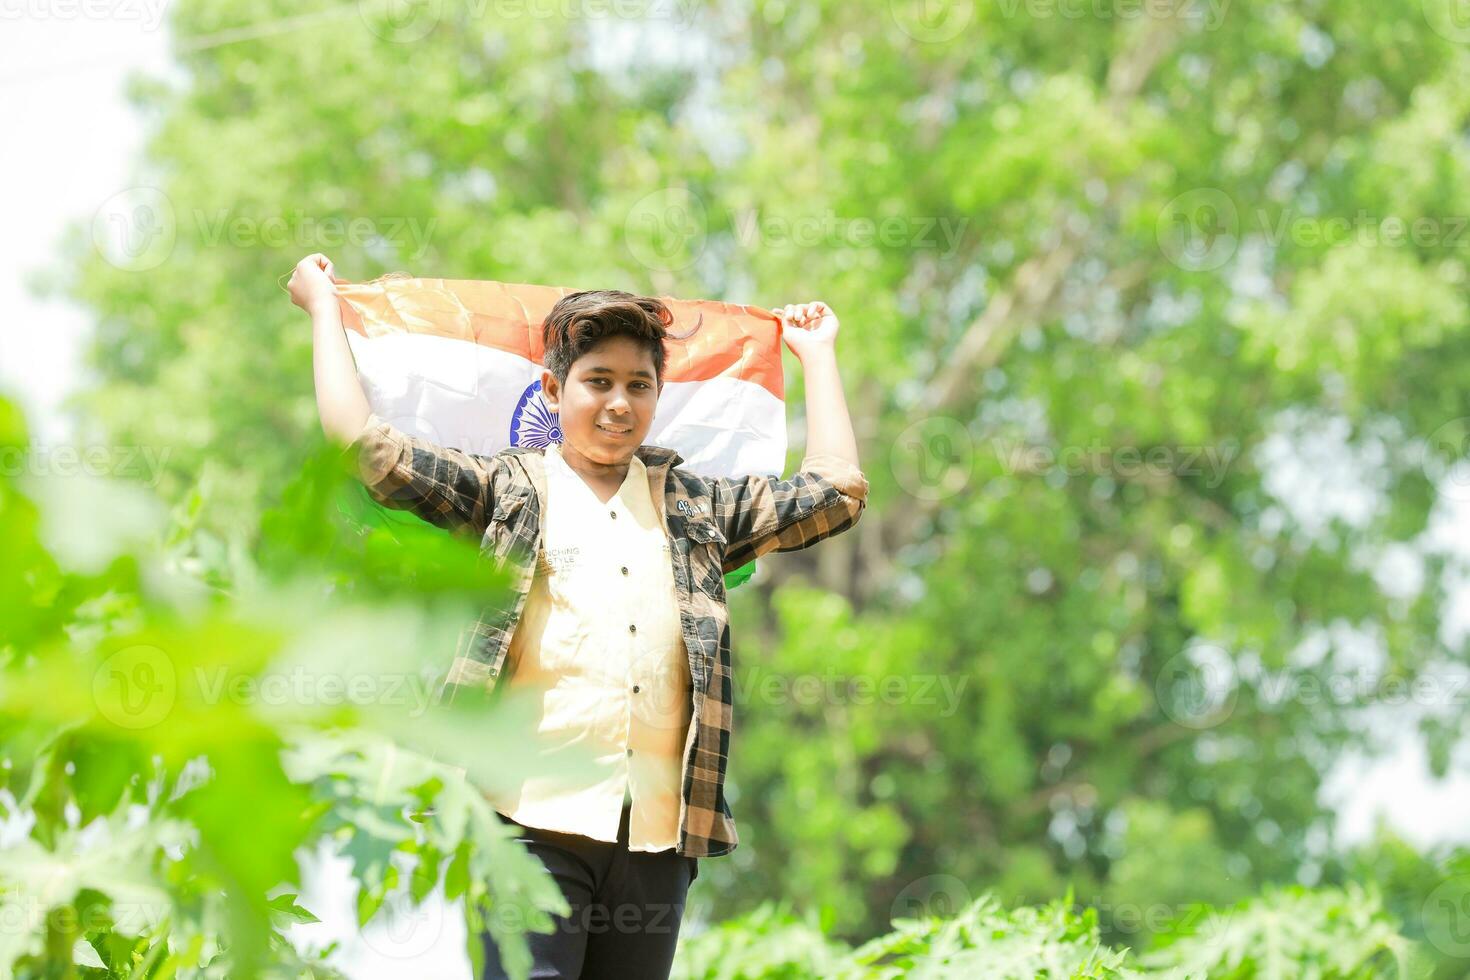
(626, 908)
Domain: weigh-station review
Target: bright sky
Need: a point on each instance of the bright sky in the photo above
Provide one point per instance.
(71, 144)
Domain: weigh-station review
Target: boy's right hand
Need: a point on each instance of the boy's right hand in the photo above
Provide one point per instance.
(311, 282)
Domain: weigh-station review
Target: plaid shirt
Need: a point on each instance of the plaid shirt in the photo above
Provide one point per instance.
(714, 526)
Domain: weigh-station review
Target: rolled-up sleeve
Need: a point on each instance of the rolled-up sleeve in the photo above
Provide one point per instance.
(842, 473)
(377, 450)
(444, 486)
(759, 514)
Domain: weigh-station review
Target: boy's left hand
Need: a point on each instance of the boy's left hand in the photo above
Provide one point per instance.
(808, 327)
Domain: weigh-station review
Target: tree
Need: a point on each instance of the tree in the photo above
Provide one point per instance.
(1126, 278)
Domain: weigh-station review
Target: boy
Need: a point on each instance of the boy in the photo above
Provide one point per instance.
(619, 620)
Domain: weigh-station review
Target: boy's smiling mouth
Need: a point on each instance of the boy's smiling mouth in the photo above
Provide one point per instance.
(614, 431)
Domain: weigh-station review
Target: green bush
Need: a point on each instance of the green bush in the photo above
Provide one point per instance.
(169, 770)
(1286, 933)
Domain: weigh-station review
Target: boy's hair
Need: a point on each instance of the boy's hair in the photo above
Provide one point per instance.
(579, 321)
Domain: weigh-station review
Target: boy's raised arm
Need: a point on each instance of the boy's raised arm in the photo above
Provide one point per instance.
(340, 402)
(828, 493)
(446, 487)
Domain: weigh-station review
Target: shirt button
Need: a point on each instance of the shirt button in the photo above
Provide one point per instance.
(613, 513)
(625, 569)
(632, 628)
(630, 751)
(635, 688)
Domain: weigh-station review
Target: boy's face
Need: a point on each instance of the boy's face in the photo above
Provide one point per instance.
(611, 387)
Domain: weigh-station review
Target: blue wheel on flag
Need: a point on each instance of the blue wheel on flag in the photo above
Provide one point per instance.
(533, 423)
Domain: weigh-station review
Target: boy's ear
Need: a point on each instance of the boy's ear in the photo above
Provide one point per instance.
(550, 390)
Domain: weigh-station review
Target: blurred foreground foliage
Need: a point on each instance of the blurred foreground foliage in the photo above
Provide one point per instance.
(181, 718)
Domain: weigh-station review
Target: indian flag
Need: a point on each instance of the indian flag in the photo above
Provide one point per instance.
(459, 362)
